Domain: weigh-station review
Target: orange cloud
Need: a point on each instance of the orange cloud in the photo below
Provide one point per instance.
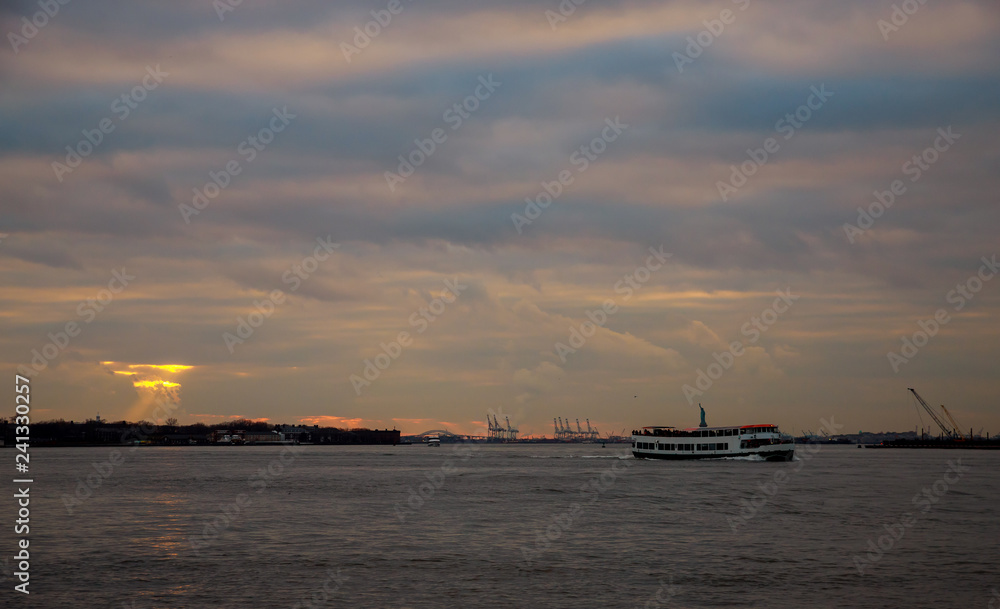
(341, 422)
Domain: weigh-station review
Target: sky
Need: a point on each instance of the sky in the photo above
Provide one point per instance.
(406, 214)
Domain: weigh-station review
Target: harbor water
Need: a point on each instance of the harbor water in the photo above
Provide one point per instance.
(516, 525)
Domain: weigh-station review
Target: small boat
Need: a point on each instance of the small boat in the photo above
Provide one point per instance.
(704, 442)
(433, 441)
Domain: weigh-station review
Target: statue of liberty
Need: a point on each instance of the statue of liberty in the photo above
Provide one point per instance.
(703, 423)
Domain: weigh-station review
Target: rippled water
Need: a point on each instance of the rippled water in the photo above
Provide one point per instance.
(334, 523)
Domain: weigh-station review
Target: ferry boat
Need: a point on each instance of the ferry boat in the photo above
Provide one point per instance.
(704, 442)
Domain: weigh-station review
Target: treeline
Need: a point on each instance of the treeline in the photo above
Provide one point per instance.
(68, 433)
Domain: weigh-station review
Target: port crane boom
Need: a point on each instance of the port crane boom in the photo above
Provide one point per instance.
(930, 411)
(954, 423)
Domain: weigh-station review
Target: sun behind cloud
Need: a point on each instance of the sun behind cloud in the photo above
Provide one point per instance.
(152, 388)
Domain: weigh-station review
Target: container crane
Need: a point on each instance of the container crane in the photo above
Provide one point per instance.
(951, 433)
(511, 431)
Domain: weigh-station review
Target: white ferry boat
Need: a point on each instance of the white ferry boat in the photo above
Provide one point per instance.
(764, 440)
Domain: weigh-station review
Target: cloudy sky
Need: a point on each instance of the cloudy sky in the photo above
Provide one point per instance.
(235, 208)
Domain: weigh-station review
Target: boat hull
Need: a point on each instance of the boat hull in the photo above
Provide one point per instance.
(780, 454)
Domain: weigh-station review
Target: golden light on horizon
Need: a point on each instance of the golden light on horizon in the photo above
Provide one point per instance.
(154, 384)
(149, 382)
(167, 367)
(173, 368)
